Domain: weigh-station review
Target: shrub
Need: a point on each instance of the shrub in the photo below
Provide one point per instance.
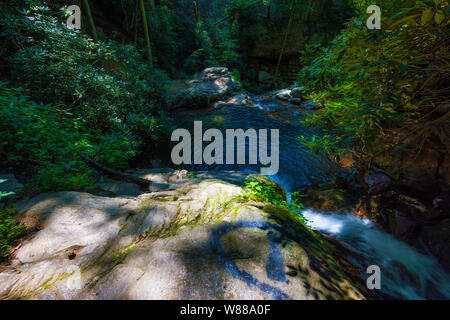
(100, 99)
(268, 192)
(383, 90)
(103, 81)
(9, 232)
(57, 141)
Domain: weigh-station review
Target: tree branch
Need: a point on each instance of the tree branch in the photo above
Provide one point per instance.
(121, 175)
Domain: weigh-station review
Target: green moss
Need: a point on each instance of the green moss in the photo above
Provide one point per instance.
(47, 284)
(290, 221)
(120, 254)
(147, 204)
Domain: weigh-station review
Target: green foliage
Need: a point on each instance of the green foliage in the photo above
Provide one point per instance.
(268, 192)
(100, 100)
(383, 89)
(192, 175)
(217, 45)
(114, 150)
(204, 55)
(49, 136)
(9, 232)
(105, 81)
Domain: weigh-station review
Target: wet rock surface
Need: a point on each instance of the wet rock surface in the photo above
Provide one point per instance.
(292, 95)
(8, 185)
(212, 85)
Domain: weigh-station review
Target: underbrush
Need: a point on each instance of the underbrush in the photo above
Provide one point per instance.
(70, 98)
(260, 190)
(9, 231)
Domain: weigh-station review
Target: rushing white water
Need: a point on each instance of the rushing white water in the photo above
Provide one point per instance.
(405, 273)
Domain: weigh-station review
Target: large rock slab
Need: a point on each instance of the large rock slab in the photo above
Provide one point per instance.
(204, 240)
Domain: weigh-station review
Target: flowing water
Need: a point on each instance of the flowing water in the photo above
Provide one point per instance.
(405, 273)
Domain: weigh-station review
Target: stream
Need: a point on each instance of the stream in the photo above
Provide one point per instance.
(405, 273)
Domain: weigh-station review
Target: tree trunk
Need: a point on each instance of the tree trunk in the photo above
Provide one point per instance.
(147, 37)
(283, 47)
(196, 11)
(120, 175)
(91, 20)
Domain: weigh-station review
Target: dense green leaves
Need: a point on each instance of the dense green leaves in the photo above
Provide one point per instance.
(100, 100)
(9, 231)
(261, 190)
(383, 89)
(56, 141)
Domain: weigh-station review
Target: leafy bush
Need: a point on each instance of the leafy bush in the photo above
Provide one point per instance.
(9, 232)
(268, 192)
(101, 100)
(43, 135)
(383, 90)
(217, 45)
(57, 141)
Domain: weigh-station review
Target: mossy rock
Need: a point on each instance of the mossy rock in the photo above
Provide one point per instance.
(267, 181)
(210, 243)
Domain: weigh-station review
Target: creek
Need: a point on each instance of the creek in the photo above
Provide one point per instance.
(405, 273)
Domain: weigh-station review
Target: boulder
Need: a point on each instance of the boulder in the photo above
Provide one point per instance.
(238, 100)
(200, 241)
(120, 188)
(436, 238)
(424, 227)
(328, 200)
(212, 85)
(297, 92)
(412, 208)
(377, 181)
(283, 94)
(419, 171)
(286, 95)
(425, 173)
(441, 208)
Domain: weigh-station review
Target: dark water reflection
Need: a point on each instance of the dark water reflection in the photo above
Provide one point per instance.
(297, 167)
